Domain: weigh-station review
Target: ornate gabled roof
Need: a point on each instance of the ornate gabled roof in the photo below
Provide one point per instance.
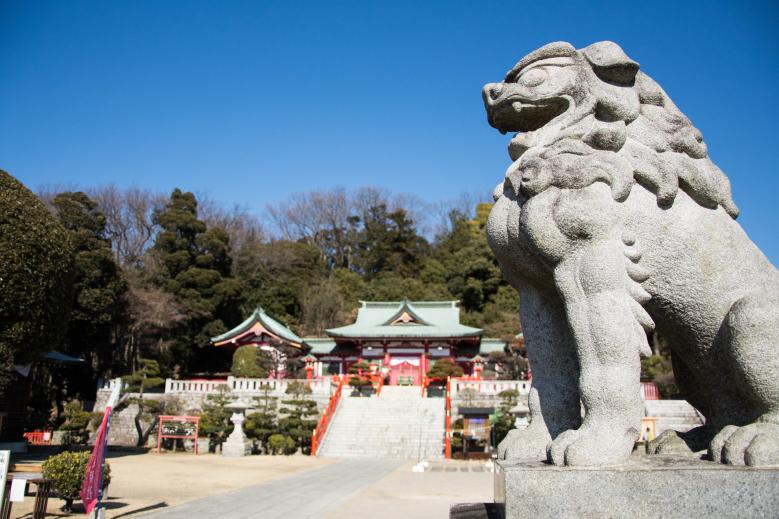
(405, 315)
(417, 319)
(256, 324)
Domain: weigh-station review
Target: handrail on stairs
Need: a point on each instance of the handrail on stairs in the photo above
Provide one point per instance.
(321, 428)
(448, 421)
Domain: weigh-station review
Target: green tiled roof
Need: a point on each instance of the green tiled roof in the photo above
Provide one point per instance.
(270, 324)
(490, 345)
(320, 345)
(429, 319)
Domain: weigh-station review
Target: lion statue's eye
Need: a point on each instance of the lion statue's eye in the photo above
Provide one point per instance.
(532, 77)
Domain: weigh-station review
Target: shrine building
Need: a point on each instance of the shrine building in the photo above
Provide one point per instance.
(264, 332)
(402, 339)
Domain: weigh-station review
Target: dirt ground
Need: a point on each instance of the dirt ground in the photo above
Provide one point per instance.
(148, 482)
(142, 482)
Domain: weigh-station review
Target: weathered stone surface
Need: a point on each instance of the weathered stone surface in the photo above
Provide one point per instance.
(656, 486)
(612, 221)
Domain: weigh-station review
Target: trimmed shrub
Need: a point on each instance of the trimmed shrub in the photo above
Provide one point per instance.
(278, 443)
(444, 368)
(78, 422)
(251, 362)
(66, 470)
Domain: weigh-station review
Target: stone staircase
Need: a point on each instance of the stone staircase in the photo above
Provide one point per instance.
(398, 424)
(672, 414)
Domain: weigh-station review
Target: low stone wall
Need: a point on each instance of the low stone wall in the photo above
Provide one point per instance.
(188, 396)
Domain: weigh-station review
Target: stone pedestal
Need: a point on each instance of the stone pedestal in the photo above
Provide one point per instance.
(652, 486)
(237, 444)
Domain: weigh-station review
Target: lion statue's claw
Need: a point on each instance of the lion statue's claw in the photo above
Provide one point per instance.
(755, 445)
(526, 444)
(590, 446)
(556, 450)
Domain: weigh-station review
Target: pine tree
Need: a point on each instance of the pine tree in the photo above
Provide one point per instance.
(471, 271)
(215, 418)
(99, 301)
(503, 419)
(300, 412)
(261, 424)
(389, 243)
(135, 385)
(195, 267)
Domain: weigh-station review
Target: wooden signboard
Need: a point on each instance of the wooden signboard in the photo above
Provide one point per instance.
(179, 428)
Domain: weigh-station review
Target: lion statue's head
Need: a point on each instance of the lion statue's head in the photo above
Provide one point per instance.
(590, 114)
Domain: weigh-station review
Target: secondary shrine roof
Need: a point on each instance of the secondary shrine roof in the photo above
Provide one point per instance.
(256, 324)
(417, 319)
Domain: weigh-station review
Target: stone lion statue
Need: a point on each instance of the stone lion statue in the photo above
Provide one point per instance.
(613, 222)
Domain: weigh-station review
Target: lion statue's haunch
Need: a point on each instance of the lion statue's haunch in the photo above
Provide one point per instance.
(613, 222)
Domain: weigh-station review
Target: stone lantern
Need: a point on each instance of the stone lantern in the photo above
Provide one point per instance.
(237, 444)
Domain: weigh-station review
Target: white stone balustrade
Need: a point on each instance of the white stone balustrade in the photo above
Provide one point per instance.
(243, 385)
(489, 388)
(192, 386)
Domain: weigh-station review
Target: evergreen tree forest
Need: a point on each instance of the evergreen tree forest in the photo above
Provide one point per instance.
(155, 275)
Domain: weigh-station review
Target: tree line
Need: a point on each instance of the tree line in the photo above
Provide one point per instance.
(154, 276)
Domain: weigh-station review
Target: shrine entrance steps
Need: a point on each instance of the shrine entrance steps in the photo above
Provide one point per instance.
(399, 424)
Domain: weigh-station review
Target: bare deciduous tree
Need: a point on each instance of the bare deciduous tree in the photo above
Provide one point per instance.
(238, 221)
(129, 222)
(153, 315)
(321, 219)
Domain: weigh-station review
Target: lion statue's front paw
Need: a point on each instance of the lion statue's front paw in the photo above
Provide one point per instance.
(756, 445)
(528, 444)
(590, 446)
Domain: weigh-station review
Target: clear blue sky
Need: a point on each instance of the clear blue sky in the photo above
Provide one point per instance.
(251, 101)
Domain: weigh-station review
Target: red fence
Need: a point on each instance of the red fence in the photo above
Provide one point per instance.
(321, 428)
(38, 437)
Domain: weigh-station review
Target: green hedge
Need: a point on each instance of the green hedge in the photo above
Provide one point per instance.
(66, 470)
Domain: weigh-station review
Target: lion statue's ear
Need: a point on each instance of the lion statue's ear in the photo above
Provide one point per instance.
(610, 63)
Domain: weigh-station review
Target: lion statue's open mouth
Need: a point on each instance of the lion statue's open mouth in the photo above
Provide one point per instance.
(513, 113)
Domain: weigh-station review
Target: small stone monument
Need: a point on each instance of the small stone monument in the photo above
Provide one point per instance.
(613, 222)
(237, 444)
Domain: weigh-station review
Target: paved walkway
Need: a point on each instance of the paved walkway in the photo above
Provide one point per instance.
(310, 494)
